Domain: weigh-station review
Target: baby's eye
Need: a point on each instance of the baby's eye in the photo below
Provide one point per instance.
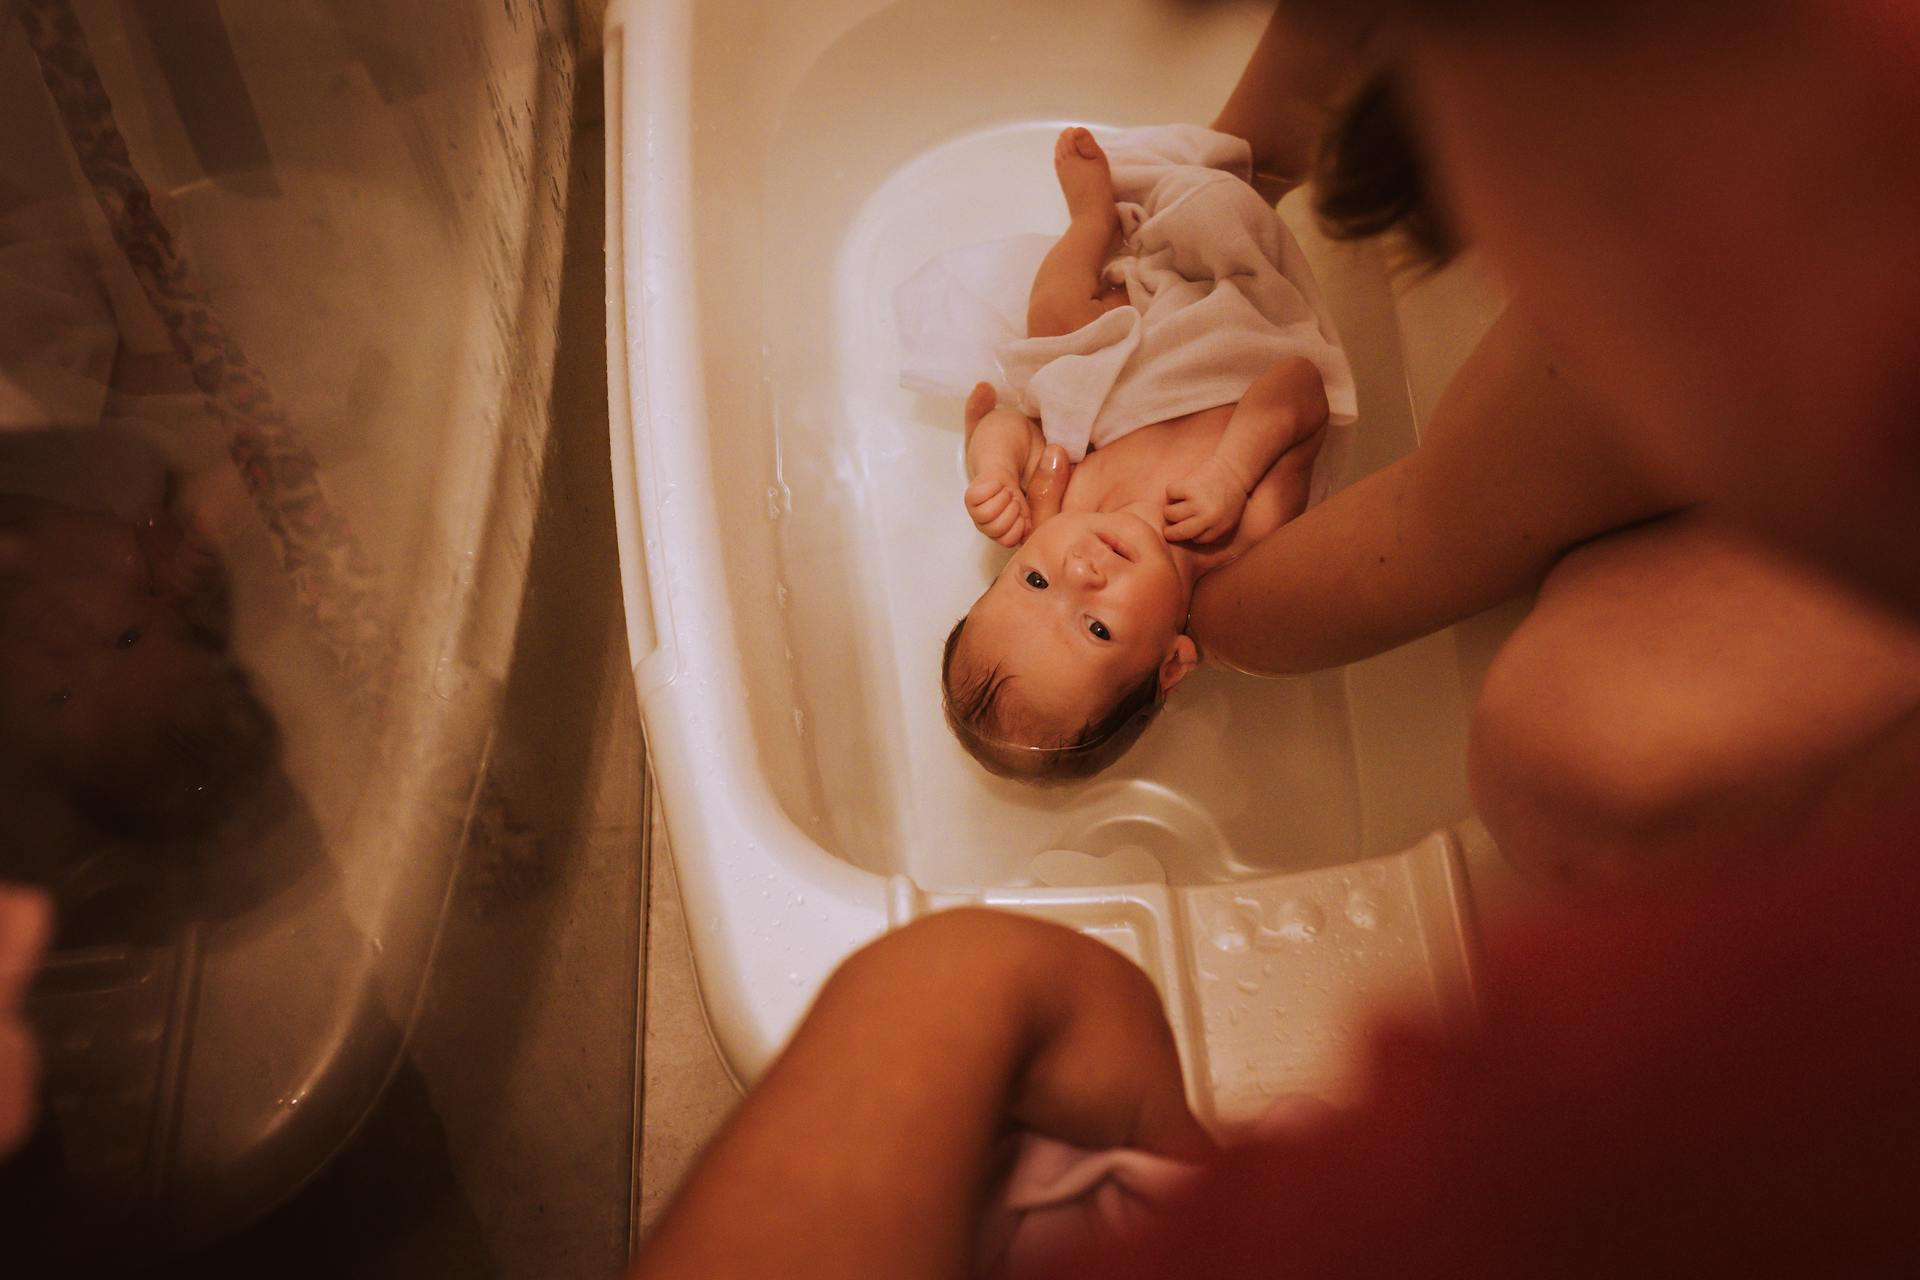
(1035, 581)
(1099, 629)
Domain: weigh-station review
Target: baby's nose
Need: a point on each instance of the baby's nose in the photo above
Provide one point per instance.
(1087, 571)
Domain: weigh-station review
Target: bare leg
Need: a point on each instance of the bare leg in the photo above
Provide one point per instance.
(1677, 696)
(1067, 291)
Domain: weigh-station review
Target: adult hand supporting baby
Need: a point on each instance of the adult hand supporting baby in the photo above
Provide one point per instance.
(868, 1147)
(1048, 488)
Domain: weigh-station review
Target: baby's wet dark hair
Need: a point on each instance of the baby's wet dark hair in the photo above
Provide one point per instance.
(974, 709)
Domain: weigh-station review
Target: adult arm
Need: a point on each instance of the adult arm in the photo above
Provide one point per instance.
(868, 1148)
(1516, 468)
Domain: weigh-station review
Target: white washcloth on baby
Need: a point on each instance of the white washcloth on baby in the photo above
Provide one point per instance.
(1217, 291)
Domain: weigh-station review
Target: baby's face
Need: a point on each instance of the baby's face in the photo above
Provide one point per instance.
(1086, 608)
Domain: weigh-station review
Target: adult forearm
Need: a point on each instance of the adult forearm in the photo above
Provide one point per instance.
(1517, 467)
(864, 1150)
(867, 1149)
(1338, 584)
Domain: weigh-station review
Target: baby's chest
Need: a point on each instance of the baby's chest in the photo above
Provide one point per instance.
(1142, 463)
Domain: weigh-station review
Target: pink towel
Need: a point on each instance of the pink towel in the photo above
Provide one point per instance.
(1060, 1199)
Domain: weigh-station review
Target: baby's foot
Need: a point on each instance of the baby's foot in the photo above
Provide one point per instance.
(1085, 178)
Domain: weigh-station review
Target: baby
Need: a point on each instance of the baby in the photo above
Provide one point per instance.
(1057, 668)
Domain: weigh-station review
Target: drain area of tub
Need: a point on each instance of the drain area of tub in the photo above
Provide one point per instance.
(1268, 980)
(1126, 824)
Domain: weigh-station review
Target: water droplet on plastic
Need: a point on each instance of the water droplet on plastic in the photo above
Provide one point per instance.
(1363, 910)
(1230, 931)
(1297, 921)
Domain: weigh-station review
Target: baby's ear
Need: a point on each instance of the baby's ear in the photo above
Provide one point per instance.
(1182, 658)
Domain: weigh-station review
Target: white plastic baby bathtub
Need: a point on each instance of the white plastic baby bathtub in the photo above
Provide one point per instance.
(793, 545)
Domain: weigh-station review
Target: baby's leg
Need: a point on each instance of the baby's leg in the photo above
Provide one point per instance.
(1067, 292)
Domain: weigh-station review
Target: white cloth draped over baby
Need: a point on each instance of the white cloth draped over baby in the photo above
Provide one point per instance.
(1217, 291)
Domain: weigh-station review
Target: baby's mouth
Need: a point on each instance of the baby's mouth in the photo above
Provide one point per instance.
(1119, 548)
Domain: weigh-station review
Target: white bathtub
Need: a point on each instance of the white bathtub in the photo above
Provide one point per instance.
(794, 547)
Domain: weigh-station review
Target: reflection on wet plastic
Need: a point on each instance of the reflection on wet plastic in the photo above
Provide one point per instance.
(128, 729)
(276, 287)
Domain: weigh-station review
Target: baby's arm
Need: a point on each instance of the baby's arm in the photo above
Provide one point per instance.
(1284, 408)
(1002, 447)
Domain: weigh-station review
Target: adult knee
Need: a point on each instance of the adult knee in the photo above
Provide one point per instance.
(1585, 770)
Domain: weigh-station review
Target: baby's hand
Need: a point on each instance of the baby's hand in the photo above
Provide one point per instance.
(999, 507)
(1205, 504)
